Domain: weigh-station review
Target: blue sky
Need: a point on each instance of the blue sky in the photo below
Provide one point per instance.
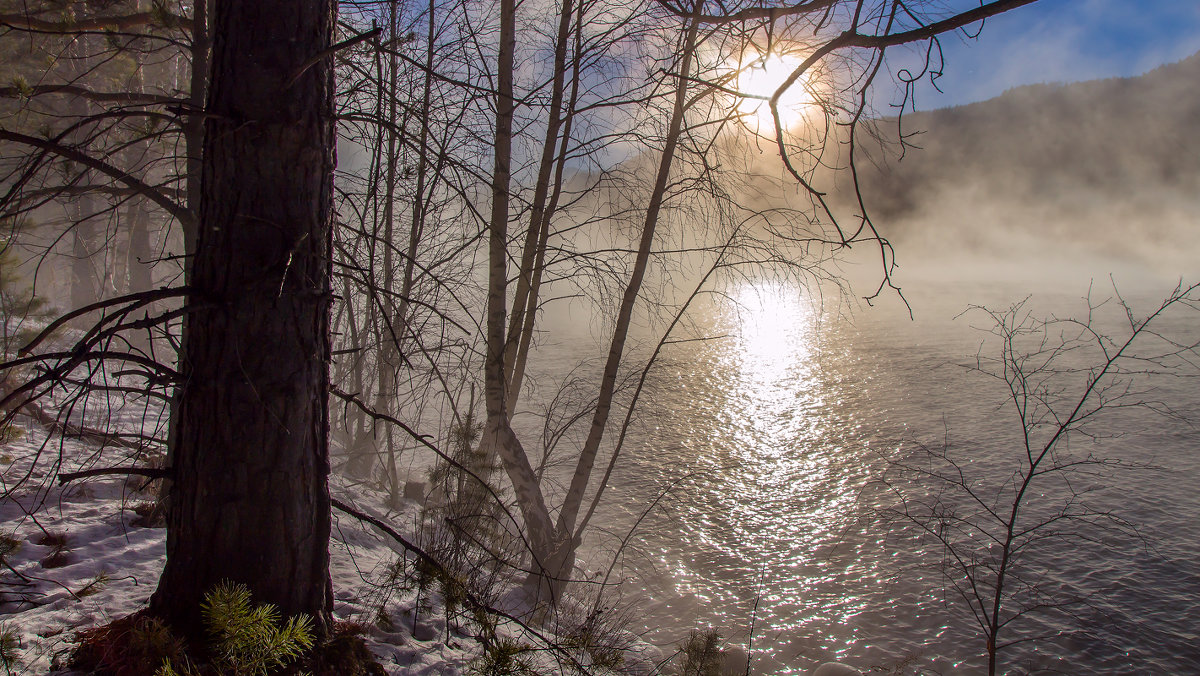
(1065, 41)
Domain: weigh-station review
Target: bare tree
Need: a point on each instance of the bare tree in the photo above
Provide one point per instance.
(993, 516)
(94, 156)
(596, 219)
(404, 342)
(94, 135)
(613, 169)
(683, 122)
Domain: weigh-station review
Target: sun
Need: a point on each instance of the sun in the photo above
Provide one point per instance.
(760, 77)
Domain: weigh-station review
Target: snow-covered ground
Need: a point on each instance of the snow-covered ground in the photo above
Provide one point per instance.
(107, 565)
(111, 565)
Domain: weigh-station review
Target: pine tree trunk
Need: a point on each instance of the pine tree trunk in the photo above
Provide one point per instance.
(250, 454)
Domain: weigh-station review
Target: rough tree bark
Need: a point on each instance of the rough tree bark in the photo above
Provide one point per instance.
(250, 439)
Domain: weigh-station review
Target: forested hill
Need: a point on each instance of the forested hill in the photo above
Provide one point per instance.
(1104, 161)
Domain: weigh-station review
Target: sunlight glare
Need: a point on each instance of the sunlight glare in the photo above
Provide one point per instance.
(761, 77)
(774, 327)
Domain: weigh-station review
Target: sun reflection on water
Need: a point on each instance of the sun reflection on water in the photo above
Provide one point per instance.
(767, 440)
(780, 478)
(770, 378)
(774, 329)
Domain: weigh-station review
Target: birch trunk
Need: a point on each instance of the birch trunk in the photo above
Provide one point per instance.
(565, 526)
(499, 439)
(525, 295)
(525, 339)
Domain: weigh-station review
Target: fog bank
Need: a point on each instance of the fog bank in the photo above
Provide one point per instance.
(1071, 180)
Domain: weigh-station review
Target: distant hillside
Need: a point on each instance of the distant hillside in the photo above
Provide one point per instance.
(1099, 162)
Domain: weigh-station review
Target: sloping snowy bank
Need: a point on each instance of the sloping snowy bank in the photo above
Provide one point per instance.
(79, 555)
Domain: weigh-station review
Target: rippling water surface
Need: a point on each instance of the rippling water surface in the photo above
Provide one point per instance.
(767, 441)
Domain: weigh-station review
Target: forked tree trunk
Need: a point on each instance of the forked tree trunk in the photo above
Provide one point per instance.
(250, 443)
(498, 438)
(553, 546)
(525, 297)
(563, 561)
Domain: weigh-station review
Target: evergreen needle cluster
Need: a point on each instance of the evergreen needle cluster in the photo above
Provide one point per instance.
(10, 650)
(247, 639)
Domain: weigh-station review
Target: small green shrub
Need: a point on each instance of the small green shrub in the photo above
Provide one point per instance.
(150, 639)
(168, 669)
(57, 556)
(95, 586)
(10, 649)
(149, 487)
(149, 514)
(54, 540)
(601, 637)
(248, 639)
(383, 619)
(56, 559)
(18, 304)
(9, 545)
(393, 577)
(701, 654)
(243, 639)
(504, 658)
(132, 646)
(10, 433)
(21, 87)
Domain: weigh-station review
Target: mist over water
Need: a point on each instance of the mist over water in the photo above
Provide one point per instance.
(748, 469)
(1069, 181)
(766, 444)
(755, 451)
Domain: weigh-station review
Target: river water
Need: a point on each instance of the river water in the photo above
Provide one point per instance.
(766, 445)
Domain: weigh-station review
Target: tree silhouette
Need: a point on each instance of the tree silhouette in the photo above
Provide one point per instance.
(249, 447)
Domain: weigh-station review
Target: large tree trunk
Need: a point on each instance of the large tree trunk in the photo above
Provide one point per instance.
(250, 455)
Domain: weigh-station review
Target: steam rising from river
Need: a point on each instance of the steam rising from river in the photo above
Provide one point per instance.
(1050, 181)
(767, 431)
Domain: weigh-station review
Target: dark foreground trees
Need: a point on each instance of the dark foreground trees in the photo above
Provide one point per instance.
(249, 450)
